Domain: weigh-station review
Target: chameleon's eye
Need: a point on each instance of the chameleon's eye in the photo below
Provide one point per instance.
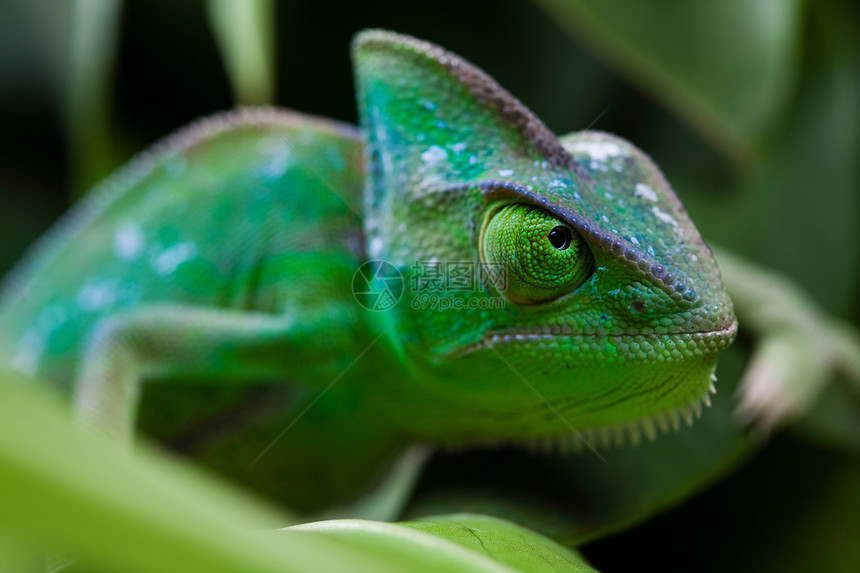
(560, 237)
(539, 257)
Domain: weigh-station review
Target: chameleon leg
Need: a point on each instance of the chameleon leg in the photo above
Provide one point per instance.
(387, 500)
(799, 347)
(176, 342)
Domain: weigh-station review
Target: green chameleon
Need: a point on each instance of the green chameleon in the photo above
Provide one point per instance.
(513, 285)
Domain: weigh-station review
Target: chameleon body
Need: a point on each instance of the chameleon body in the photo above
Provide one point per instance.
(578, 296)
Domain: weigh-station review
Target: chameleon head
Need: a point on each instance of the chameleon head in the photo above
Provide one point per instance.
(553, 284)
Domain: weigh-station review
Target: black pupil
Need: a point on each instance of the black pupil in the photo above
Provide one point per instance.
(559, 237)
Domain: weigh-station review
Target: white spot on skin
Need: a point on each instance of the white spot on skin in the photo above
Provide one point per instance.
(375, 247)
(663, 216)
(387, 163)
(645, 191)
(458, 147)
(279, 153)
(96, 295)
(556, 185)
(371, 224)
(169, 260)
(278, 165)
(506, 172)
(128, 242)
(473, 159)
(434, 154)
(598, 150)
(634, 240)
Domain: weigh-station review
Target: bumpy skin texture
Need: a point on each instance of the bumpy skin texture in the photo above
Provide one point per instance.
(637, 338)
(227, 255)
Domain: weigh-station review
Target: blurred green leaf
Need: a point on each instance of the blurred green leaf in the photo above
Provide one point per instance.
(452, 543)
(798, 211)
(94, 33)
(64, 488)
(727, 66)
(245, 32)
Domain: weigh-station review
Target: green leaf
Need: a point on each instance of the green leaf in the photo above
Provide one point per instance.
(504, 541)
(65, 489)
(94, 32)
(452, 543)
(797, 210)
(727, 66)
(245, 32)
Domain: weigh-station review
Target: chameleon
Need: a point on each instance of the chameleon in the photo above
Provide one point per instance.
(448, 272)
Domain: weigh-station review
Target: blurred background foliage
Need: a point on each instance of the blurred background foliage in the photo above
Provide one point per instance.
(751, 108)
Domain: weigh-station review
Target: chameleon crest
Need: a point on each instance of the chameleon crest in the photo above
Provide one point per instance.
(612, 310)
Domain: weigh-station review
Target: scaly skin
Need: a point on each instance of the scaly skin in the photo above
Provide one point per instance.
(639, 336)
(227, 255)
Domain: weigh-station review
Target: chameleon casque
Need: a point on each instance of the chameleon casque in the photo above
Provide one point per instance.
(226, 256)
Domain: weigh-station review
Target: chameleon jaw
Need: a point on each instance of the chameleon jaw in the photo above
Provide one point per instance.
(613, 435)
(632, 432)
(671, 415)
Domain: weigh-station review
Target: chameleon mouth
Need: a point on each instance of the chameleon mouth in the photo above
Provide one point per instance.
(715, 340)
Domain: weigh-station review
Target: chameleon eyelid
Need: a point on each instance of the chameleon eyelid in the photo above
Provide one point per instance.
(493, 189)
